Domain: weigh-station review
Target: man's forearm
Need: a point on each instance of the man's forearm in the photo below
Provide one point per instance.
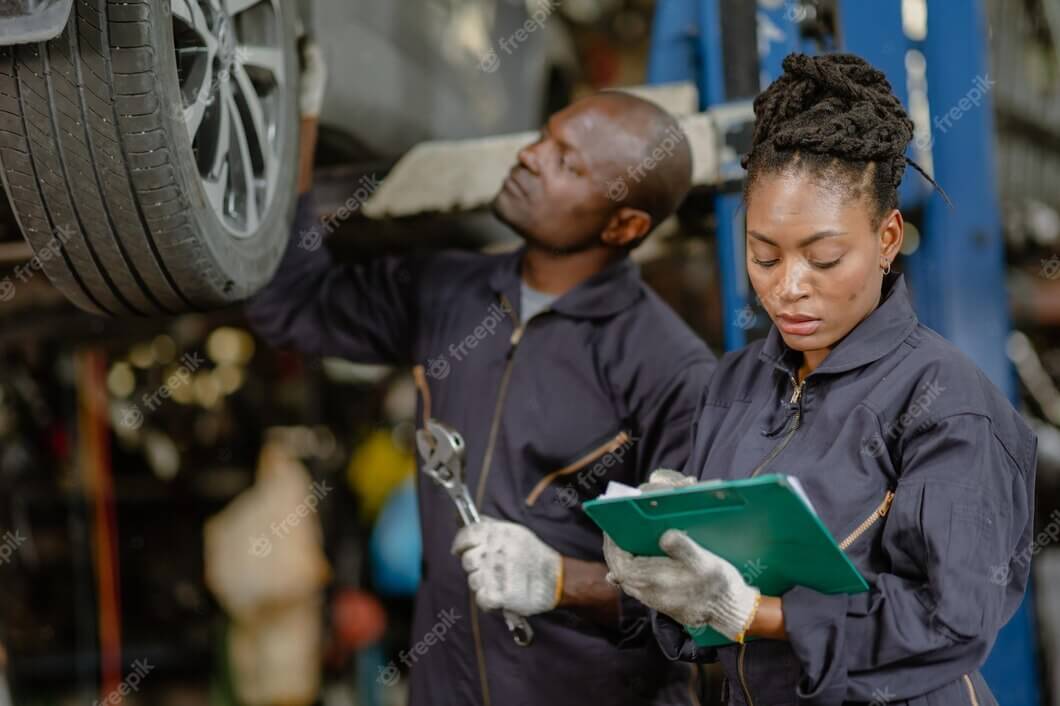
(585, 588)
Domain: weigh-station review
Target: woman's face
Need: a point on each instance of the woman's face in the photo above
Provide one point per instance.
(814, 259)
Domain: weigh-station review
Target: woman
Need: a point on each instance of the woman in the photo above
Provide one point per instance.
(916, 463)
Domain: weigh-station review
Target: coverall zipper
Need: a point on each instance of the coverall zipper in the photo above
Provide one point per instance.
(487, 462)
(502, 395)
(793, 427)
(869, 521)
(743, 677)
(971, 690)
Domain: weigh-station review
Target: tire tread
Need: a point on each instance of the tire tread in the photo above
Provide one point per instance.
(86, 145)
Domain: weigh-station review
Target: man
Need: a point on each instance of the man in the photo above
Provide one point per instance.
(562, 371)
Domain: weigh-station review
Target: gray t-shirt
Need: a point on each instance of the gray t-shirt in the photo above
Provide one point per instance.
(533, 302)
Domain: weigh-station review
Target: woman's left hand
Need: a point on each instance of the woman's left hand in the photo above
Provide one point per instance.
(691, 585)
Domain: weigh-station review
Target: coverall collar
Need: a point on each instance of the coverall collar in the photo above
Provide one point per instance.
(878, 334)
(613, 289)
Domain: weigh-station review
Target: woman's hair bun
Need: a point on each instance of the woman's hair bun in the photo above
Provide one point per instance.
(837, 105)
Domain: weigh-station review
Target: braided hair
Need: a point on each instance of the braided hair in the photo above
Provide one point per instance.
(837, 117)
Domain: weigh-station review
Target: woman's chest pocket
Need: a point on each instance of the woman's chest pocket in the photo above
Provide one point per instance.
(854, 502)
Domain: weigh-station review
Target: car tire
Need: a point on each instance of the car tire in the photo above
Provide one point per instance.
(150, 150)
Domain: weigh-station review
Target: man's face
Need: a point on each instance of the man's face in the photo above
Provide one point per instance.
(555, 196)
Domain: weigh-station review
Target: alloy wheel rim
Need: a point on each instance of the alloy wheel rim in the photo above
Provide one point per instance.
(230, 64)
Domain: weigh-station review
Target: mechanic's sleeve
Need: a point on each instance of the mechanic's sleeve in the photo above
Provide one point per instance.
(365, 312)
(958, 535)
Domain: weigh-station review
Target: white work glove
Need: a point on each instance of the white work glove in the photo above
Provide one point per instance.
(509, 567)
(314, 79)
(692, 585)
(666, 479)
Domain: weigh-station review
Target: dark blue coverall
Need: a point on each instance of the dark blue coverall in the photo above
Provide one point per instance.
(924, 474)
(601, 386)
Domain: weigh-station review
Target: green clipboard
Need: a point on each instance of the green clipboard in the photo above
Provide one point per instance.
(763, 526)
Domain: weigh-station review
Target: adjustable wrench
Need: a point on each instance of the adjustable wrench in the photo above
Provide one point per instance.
(442, 450)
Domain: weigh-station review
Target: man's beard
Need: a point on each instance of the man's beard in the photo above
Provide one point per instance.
(532, 241)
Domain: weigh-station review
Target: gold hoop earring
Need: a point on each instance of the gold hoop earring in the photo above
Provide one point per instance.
(887, 269)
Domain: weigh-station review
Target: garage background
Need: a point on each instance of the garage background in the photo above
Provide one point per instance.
(121, 437)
